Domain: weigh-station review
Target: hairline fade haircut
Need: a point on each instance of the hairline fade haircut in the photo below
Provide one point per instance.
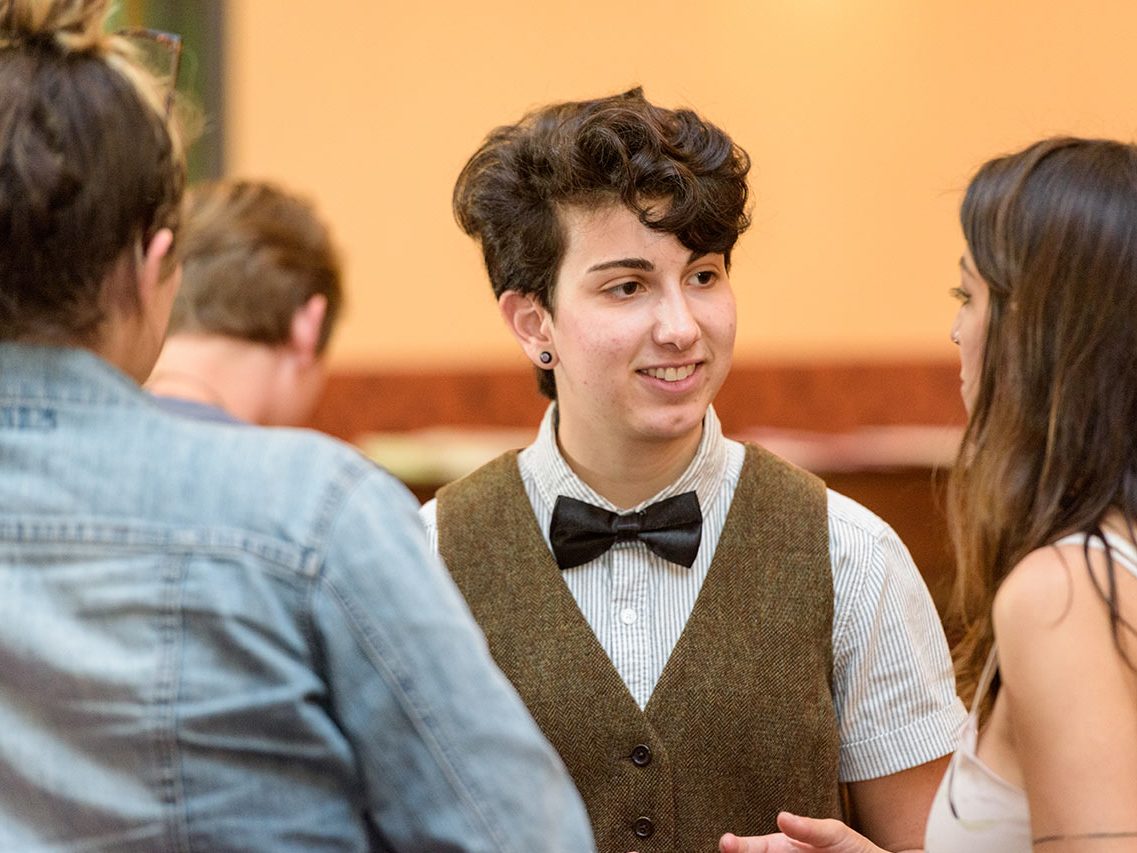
(253, 255)
(1050, 447)
(677, 172)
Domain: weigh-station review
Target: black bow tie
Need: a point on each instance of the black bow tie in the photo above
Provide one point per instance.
(671, 528)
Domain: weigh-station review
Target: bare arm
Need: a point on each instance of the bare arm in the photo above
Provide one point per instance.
(893, 810)
(1071, 700)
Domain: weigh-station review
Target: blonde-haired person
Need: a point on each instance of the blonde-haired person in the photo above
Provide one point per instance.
(211, 638)
(1044, 505)
(260, 296)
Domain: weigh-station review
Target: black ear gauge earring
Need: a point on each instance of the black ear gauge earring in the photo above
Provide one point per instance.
(546, 357)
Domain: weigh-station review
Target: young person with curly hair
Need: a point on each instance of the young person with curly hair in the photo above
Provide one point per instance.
(702, 630)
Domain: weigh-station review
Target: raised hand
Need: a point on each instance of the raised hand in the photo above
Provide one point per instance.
(801, 835)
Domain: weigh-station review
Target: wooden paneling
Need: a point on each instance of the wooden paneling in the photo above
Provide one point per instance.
(813, 397)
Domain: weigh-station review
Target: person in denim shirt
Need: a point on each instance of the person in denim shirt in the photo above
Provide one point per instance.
(212, 637)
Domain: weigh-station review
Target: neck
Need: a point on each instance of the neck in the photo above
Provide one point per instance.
(128, 342)
(232, 375)
(628, 473)
(185, 385)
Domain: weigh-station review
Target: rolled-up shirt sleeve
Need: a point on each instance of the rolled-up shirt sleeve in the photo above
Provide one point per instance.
(894, 688)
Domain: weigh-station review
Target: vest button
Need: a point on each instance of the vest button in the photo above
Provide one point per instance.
(641, 755)
(644, 827)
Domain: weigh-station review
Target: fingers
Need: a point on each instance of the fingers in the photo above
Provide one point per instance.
(731, 843)
(823, 834)
(801, 834)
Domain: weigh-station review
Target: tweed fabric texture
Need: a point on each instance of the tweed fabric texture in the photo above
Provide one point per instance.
(741, 723)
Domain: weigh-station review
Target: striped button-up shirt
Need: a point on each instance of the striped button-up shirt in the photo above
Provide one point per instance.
(893, 686)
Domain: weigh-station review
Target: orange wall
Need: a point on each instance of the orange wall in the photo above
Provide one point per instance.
(864, 119)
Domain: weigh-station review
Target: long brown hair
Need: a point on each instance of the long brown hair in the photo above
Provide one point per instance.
(1051, 444)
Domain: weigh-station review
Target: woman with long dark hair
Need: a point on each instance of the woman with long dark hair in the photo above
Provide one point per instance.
(1043, 509)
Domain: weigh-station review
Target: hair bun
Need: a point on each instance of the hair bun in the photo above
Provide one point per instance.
(73, 26)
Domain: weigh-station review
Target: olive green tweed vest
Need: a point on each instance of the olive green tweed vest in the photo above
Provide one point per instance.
(741, 723)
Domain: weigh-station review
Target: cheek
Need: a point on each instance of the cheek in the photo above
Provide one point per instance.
(722, 323)
(971, 352)
(731, 330)
(590, 339)
(975, 355)
(976, 332)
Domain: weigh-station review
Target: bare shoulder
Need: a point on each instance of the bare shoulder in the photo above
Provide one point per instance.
(1037, 594)
(1068, 691)
(1057, 589)
(1052, 622)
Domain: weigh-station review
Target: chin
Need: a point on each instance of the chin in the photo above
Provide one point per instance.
(967, 395)
(675, 425)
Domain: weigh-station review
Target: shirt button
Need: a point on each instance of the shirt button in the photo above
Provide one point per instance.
(643, 827)
(628, 616)
(641, 755)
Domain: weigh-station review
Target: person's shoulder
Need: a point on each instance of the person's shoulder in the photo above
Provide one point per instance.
(1037, 586)
(266, 474)
(847, 513)
(1052, 629)
(304, 456)
(271, 451)
(1057, 588)
(866, 553)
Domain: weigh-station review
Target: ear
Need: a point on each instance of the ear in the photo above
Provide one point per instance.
(307, 324)
(151, 281)
(530, 322)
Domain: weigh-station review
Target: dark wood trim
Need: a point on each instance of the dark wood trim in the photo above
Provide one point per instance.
(822, 397)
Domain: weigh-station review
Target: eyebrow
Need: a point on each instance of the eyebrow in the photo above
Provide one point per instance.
(624, 263)
(637, 263)
(963, 266)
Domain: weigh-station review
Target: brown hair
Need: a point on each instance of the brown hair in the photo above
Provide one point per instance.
(89, 167)
(1050, 447)
(615, 150)
(253, 255)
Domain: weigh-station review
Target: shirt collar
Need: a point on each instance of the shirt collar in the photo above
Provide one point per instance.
(63, 373)
(552, 476)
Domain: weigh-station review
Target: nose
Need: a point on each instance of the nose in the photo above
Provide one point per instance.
(676, 325)
(955, 330)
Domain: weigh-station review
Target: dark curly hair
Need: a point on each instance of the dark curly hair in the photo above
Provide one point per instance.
(615, 150)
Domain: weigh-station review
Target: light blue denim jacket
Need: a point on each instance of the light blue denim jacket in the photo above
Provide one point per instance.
(217, 637)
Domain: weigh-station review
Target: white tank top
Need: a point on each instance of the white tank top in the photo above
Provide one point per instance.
(976, 810)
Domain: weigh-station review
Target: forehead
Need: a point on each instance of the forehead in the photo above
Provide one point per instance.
(969, 270)
(967, 262)
(601, 234)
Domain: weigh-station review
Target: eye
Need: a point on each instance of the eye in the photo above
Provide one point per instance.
(625, 288)
(705, 277)
(960, 294)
